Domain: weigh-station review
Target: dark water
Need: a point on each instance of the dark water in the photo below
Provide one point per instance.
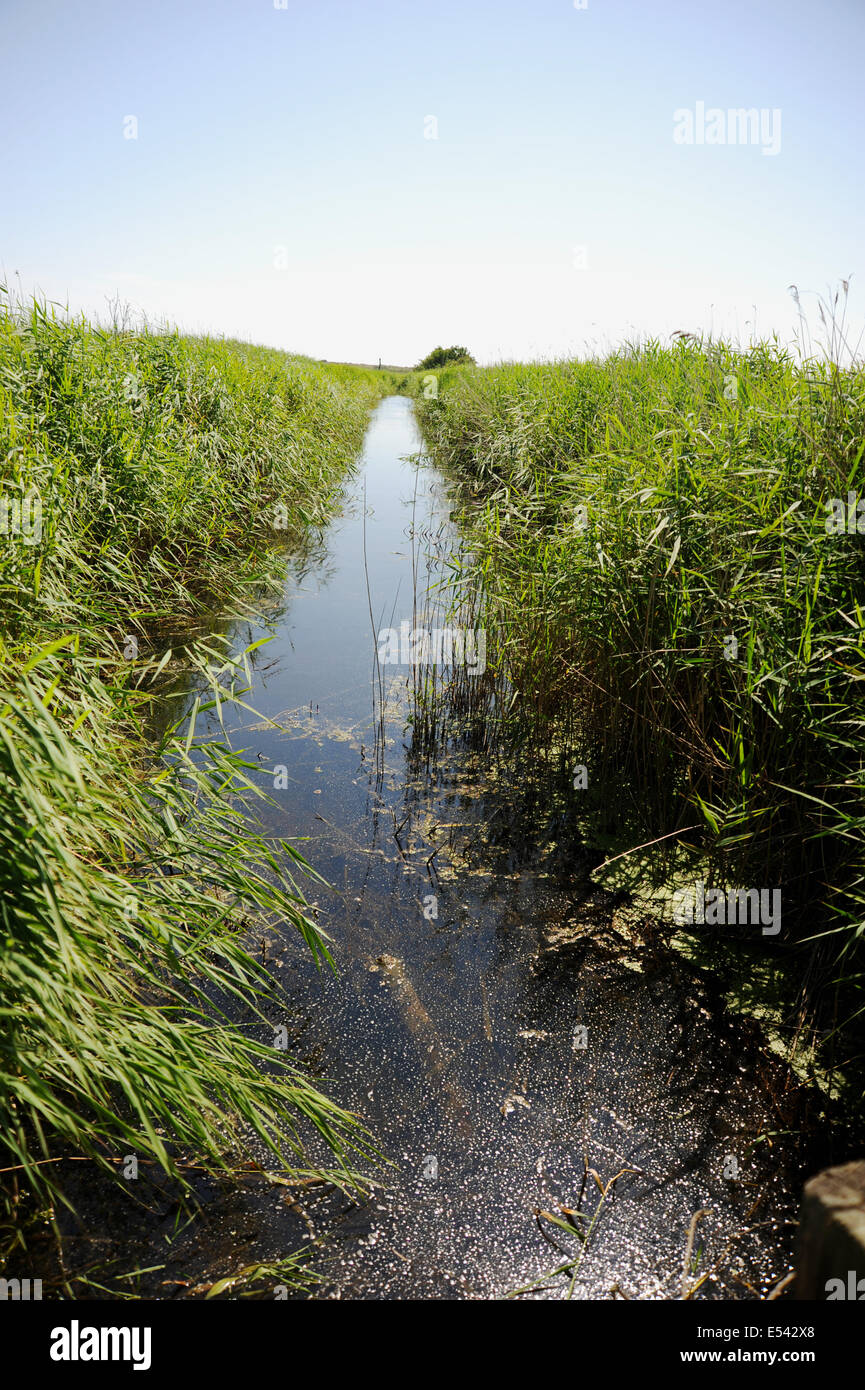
(504, 1068)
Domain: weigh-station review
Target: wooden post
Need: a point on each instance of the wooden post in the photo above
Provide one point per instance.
(830, 1246)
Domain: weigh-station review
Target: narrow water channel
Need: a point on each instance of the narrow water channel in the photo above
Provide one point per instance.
(501, 1076)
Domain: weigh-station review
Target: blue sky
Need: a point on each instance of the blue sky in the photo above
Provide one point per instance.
(281, 187)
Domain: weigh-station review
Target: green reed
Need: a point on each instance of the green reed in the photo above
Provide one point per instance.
(166, 474)
(648, 548)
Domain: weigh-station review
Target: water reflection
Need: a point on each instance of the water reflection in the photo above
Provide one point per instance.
(513, 1039)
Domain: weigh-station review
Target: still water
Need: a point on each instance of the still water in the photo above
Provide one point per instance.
(502, 1071)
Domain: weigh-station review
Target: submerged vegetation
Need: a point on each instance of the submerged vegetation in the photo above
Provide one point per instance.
(147, 479)
(665, 548)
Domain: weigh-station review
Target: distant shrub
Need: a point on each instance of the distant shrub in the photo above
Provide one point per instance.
(443, 357)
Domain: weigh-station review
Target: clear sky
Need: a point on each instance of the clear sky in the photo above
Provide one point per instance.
(283, 186)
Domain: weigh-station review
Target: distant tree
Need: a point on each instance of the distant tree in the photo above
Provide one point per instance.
(445, 357)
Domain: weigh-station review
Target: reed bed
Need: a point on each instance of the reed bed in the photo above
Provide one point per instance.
(148, 480)
(654, 548)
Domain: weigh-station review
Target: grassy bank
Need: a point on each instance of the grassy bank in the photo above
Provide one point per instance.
(671, 602)
(147, 480)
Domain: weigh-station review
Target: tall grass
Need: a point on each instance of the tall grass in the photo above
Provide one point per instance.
(166, 473)
(648, 549)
